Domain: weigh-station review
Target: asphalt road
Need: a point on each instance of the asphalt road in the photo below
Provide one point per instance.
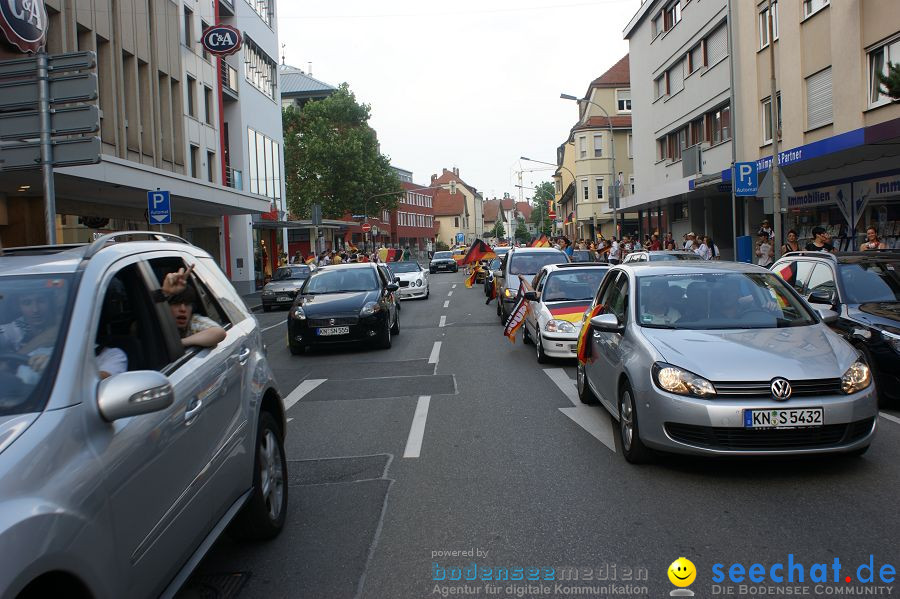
(455, 440)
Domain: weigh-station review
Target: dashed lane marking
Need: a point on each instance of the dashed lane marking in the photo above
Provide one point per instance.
(447, 304)
(277, 324)
(302, 389)
(443, 322)
(417, 429)
(449, 294)
(453, 286)
(890, 417)
(594, 420)
(435, 353)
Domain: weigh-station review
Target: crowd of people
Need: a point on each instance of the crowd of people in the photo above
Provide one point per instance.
(350, 255)
(614, 250)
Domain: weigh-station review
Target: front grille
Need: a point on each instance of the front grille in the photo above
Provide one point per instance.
(743, 439)
(326, 322)
(748, 390)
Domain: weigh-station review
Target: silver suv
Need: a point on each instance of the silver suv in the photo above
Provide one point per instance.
(525, 263)
(115, 484)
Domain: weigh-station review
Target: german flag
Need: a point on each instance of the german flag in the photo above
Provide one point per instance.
(584, 347)
(493, 294)
(311, 259)
(470, 280)
(517, 316)
(568, 312)
(477, 252)
(540, 242)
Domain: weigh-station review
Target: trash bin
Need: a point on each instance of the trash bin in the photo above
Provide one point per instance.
(744, 249)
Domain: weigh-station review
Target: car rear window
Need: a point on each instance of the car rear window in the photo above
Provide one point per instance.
(442, 255)
(873, 281)
(524, 263)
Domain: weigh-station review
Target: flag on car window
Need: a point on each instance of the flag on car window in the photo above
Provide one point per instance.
(493, 293)
(477, 252)
(517, 316)
(584, 347)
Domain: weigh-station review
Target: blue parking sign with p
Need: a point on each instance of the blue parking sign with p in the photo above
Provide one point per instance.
(159, 208)
(746, 179)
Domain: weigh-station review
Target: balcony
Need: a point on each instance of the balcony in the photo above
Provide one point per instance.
(234, 178)
(229, 76)
(227, 8)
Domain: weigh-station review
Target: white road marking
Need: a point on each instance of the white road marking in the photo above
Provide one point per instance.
(447, 304)
(435, 352)
(277, 324)
(290, 419)
(889, 417)
(443, 322)
(449, 293)
(302, 389)
(417, 429)
(453, 286)
(594, 420)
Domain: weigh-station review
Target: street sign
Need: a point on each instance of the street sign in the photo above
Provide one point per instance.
(460, 237)
(552, 214)
(316, 214)
(63, 90)
(366, 227)
(59, 63)
(765, 192)
(69, 152)
(375, 231)
(75, 120)
(24, 24)
(221, 40)
(159, 207)
(746, 179)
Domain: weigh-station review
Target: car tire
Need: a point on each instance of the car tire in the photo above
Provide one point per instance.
(296, 350)
(264, 514)
(384, 341)
(585, 394)
(526, 336)
(427, 292)
(267, 308)
(396, 328)
(633, 449)
(431, 270)
(539, 350)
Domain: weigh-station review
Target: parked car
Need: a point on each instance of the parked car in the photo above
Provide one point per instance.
(443, 261)
(345, 303)
(561, 294)
(283, 288)
(864, 289)
(655, 256)
(416, 279)
(722, 358)
(123, 454)
(524, 262)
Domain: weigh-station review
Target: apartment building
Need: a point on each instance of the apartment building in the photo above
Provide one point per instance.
(680, 87)
(605, 111)
(413, 219)
(839, 133)
(164, 126)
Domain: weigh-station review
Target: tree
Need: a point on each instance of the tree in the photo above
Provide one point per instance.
(331, 156)
(891, 82)
(499, 231)
(522, 233)
(543, 195)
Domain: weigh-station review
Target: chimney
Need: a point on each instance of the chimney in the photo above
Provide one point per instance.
(433, 178)
(445, 171)
(455, 171)
(310, 69)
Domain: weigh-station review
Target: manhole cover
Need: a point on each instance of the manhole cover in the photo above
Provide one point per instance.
(214, 586)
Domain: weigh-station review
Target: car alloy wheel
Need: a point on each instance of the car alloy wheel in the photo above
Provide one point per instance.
(584, 390)
(539, 348)
(271, 479)
(633, 449)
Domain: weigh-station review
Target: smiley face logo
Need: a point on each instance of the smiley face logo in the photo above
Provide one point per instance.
(682, 572)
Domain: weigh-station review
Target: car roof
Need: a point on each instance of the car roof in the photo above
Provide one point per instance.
(847, 257)
(575, 265)
(346, 265)
(666, 267)
(536, 250)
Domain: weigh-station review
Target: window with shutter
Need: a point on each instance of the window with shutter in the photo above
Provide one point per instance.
(660, 87)
(818, 99)
(717, 45)
(676, 77)
(695, 58)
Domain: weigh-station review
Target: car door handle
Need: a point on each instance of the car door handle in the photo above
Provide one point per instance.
(193, 412)
(244, 355)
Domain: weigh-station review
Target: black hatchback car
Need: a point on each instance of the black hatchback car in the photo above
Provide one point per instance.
(864, 289)
(443, 261)
(345, 303)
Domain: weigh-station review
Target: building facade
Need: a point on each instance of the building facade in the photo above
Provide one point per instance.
(680, 79)
(839, 132)
(164, 126)
(458, 208)
(413, 219)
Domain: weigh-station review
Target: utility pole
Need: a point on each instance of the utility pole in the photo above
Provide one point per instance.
(776, 133)
(731, 29)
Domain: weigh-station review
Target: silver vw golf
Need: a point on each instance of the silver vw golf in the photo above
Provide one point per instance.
(720, 358)
(126, 448)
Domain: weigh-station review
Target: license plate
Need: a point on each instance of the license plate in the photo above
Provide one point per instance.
(282, 298)
(791, 418)
(333, 331)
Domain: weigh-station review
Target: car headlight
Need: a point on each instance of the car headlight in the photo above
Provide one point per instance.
(892, 339)
(857, 378)
(508, 292)
(559, 326)
(676, 380)
(370, 308)
(268, 292)
(419, 282)
(298, 313)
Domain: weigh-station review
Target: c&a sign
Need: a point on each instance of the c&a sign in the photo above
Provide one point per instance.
(220, 40)
(24, 23)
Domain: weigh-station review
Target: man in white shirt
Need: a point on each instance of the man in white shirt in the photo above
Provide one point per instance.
(614, 252)
(689, 242)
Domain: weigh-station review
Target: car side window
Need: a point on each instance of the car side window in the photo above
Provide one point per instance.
(796, 273)
(617, 300)
(386, 278)
(538, 283)
(211, 307)
(822, 279)
(606, 288)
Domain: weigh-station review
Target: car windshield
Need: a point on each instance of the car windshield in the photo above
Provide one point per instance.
(871, 281)
(575, 285)
(582, 256)
(31, 313)
(718, 301)
(405, 267)
(530, 264)
(442, 255)
(341, 280)
(667, 256)
(291, 272)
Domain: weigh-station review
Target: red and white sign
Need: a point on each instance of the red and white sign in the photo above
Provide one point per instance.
(221, 40)
(24, 23)
(366, 227)
(551, 214)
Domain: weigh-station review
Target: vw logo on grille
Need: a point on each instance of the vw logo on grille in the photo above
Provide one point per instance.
(781, 389)
(789, 387)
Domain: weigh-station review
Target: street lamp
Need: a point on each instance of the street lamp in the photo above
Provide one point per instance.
(612, 142)
(551, 164)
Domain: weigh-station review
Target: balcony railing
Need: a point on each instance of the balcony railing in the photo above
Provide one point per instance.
(234, 178)
(229, 79)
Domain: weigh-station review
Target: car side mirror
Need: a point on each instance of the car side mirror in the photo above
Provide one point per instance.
(498, 274)
(821, 296)
(397, 280)
(827, 316)
(392, 287)
(607, 322)
(531, 296)
(133, 394)
(402, 283)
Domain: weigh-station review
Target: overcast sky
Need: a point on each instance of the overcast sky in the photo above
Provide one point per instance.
(470, 83)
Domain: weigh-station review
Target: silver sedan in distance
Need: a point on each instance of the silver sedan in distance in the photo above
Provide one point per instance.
(722, 359)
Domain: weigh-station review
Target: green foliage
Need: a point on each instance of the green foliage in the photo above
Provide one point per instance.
(440, 246)
(543, 195)
(891, 82)
(499, 231)
(522, 233)
(331, 156)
